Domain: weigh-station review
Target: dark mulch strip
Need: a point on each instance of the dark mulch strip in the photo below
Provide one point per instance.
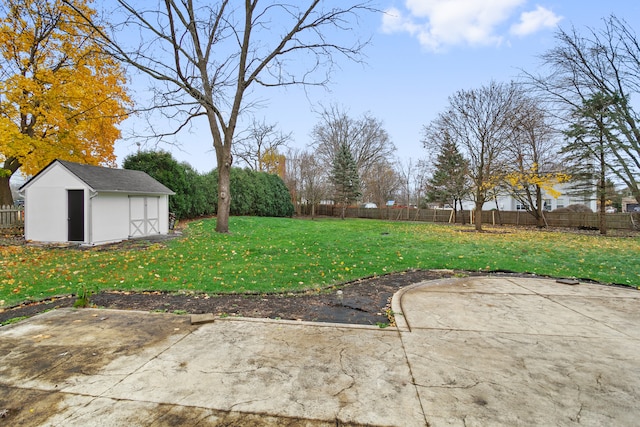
(365, 301)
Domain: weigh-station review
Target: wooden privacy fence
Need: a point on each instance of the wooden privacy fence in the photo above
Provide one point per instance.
(11, 217)
(619, 221)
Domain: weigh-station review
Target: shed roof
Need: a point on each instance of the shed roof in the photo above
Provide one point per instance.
(103, 179)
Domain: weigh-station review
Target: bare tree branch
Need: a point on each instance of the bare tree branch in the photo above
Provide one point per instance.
(212, 53)
(365, 137)
(604, 61)
(258, 140)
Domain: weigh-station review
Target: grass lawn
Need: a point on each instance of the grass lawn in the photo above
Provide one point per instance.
(276, 254)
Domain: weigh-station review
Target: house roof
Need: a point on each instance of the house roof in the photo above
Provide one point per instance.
(111, 180)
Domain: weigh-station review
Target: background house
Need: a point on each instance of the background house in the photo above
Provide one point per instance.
(506, 202)
(71, 202)
(630, 204)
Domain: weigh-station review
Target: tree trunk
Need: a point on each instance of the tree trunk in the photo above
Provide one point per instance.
(296, 202)
(498, 210)
(539, 215)
(478, 215)
(10, 166)
(602, 187)
(602, 219)
(224, 197)
(222, 148)
(455, 210)
(5, 191)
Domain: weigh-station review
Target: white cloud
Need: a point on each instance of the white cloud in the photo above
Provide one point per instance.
(533, 21)
(393, 21)
(439, 24)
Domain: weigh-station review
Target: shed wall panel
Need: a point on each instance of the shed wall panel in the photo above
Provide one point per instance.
(164, 214)
(46, 214)
(148, 215)
(46, 205)
(109, 218)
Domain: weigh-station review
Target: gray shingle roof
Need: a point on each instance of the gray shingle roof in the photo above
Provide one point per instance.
(116, 180)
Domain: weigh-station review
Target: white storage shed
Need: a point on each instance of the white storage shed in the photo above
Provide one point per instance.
(91, 205)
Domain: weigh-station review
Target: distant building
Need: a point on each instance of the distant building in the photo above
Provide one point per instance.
(630, 204)
(506, 202)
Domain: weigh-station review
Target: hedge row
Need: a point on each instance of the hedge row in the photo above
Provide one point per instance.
(252, 193)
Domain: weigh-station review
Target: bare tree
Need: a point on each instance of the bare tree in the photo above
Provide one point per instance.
(479, 121)
(306, 179)
(314, 185)
(292, 176)
(365, 138)
(258, 142)
(420, 179)
(380, 182)
(603, 62)
(533, 158)
(206, 56)
(410, 173)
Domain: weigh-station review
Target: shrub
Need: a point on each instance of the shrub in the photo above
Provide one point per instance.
(192, 197)
(256, 193)
(252, 193)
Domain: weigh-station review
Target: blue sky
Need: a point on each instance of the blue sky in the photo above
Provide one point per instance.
(422, 51)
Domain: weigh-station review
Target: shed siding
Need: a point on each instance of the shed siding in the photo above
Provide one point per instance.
(109, 217)
(164, 214)
(46, 206)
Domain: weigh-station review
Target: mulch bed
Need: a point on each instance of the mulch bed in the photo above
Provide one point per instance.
(365, 302)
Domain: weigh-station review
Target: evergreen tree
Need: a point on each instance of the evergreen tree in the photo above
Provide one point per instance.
(449, 182)
(591, 140)
(345, 179)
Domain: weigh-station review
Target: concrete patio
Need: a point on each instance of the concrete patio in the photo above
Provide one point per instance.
(466, 352)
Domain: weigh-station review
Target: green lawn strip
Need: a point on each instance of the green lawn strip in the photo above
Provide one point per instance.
(279, 254)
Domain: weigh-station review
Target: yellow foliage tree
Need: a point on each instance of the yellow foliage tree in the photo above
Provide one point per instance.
(60, 96)
(528, 183)
(273, 162)
(533, 167)
(532, 177)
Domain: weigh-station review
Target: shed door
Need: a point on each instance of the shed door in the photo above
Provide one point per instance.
(75, 215)
(144, 216)
(153, 215)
